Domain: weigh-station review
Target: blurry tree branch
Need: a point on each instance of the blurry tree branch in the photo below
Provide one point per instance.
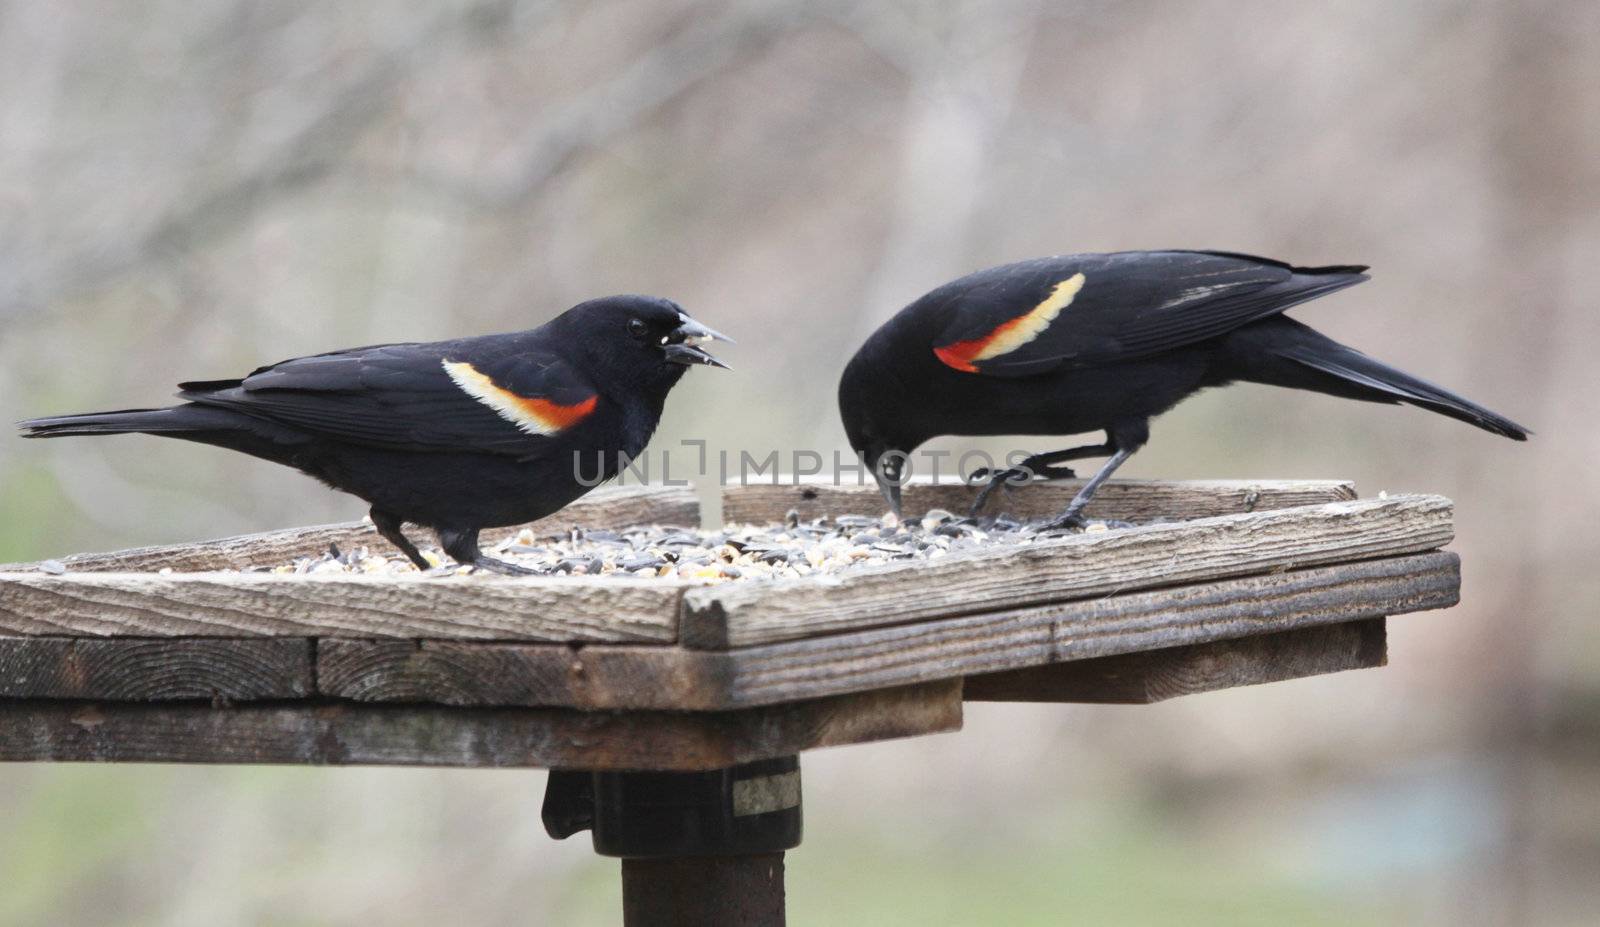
(656, 77)
(319, 150)
(964, 70)
(309, 155)
(964, 74)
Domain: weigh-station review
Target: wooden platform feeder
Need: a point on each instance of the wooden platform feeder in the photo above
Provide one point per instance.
(672, 714)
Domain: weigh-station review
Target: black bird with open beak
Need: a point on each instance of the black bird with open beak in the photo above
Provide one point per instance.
(1102, 342)
(458, 435)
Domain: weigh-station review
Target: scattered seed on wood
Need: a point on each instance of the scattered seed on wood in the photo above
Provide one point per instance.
(736, 552)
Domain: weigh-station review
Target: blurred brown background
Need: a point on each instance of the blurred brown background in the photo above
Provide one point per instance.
(188, 190)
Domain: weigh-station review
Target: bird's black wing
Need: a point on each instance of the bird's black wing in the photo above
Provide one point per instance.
(1043, 315)
(468, 395)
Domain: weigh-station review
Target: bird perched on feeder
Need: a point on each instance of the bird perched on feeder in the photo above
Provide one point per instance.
(454, 435)
(1089, 342)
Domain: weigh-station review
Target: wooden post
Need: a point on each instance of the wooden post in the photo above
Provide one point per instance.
(701, 848)
(707, 891)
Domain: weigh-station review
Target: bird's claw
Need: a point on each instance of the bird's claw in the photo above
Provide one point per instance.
(992, 480)
(1067, 521)
(505, 568)
(1075, 521)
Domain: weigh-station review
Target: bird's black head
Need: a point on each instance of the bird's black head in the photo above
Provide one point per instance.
(643, 340)
(872, 407)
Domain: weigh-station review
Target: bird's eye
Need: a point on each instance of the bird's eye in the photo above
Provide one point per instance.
(637, 328)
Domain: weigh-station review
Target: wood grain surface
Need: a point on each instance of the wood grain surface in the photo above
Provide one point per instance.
(154, 669)
(1128, 500)
(605, 676)
(403, 735)
(605, 507)
(1087, 628)
(1171, 672)
(567, 608)
(1075, 566)
(484, 674)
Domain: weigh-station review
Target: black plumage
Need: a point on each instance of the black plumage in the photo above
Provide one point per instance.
(453, 435)
(1090, 342)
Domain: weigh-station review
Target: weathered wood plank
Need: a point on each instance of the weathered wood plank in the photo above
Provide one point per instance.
(631, 677)
(395, 735)
(1080, 565)
(606, 507)
(1129, 500)
(155, 669)
(568, 608)
(1087, 628)
(491, 674)
(1158, 675)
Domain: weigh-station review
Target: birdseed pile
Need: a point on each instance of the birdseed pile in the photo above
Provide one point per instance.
(794, 548)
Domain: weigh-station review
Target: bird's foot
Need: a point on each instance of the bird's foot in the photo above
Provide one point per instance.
(503, 567)
(1066, 521)
(1075, 521)
(992, 480)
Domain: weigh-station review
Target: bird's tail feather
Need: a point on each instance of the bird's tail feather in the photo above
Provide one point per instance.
(170, 420)
(1356, 368)
(1283, 352)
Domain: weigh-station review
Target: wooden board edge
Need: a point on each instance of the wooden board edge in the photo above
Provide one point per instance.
(1123, 499)
(609, 676)
(553, 609)
(1158, 675)
(1082, 630)
(347, 734)
(156, 669)
(607, 507)
(1061, 569)
(484, 674)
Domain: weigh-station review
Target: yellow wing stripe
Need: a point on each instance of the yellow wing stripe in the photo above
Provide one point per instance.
(533, 415)
(1012, 334)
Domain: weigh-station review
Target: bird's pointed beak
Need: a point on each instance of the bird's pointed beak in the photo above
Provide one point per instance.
(683, 345)
(888, 484)
(891, 493)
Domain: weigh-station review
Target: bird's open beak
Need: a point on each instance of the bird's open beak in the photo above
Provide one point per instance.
(683, 345)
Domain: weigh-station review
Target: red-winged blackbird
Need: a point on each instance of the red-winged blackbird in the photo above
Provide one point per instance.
(454, 435)
(1089, 342)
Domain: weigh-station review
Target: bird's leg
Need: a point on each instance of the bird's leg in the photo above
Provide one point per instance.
(1072, 516)
(462, 546)
(1125, 438)
(388, 526)
(1039, 465)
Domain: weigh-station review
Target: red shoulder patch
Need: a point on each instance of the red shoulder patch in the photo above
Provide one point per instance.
(1012, 333)
(533, 414)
